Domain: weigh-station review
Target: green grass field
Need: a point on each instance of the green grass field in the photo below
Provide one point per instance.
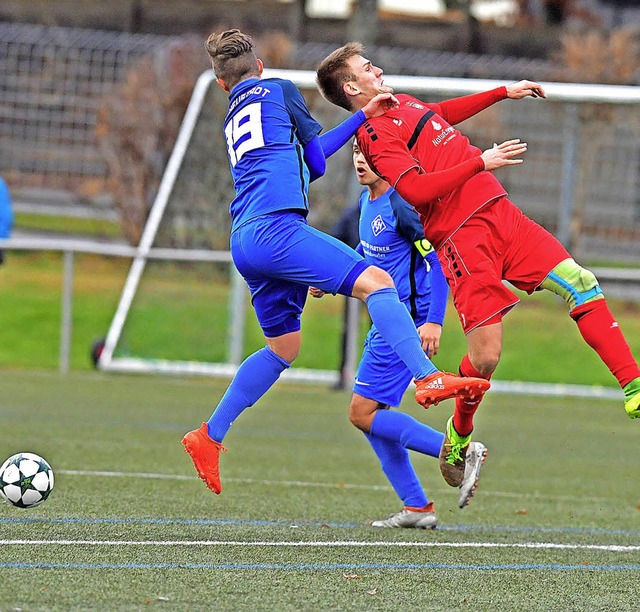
(555, 524)
(183, 312)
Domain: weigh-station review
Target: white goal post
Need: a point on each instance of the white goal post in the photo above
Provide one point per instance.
(572, 94)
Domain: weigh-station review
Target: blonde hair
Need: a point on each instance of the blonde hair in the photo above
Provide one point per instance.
(333, 72)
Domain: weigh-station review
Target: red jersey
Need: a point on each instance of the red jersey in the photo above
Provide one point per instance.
(420, 136)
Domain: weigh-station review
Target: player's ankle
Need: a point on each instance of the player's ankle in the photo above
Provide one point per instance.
(630, 389)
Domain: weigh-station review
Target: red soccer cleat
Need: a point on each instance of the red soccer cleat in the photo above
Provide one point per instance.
(444, 385)
(205, 454)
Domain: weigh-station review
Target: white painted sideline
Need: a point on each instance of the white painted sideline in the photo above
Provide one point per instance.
(325, 544)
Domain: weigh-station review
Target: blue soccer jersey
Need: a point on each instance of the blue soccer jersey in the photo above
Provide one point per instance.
(266, 127)
(392, 237)
(389, 231)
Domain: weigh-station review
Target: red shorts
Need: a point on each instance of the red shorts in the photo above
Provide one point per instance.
(496, 243)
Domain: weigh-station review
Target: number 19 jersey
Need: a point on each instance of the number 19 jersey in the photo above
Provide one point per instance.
(266, 128)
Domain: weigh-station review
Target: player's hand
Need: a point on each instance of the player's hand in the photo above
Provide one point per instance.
(430, 337)
(504, 154)
(380, 104)
(316, 293)
(522, 89)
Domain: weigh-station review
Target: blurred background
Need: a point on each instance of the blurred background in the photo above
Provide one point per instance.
(93, 93)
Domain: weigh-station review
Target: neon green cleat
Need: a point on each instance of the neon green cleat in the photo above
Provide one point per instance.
(632, 398)
(632, 406)
(453, 455)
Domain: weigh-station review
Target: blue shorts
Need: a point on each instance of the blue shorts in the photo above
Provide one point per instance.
(280, 256)
(382, 376)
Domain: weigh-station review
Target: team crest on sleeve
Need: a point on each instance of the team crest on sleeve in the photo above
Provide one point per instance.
(378, 226)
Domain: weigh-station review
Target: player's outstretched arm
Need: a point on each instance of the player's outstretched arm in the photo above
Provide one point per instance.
(422, 189)
(523, 89)
(328, 143)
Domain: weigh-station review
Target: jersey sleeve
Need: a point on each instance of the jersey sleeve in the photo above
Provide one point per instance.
(423, 188)
(457, 110)
(333, 140)
(439, 288)
(315, 159)
(409, 225)
(306, 126)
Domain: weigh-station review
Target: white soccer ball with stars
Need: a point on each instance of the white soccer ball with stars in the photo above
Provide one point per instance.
(26, 480)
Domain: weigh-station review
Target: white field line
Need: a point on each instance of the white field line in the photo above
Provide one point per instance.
(323, 544)
(318, 485)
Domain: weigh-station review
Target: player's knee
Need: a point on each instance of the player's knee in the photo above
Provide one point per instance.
(588, 288)
(286, 347)
(573, 283)
(371, 279)
(358, 420)
(361, 413)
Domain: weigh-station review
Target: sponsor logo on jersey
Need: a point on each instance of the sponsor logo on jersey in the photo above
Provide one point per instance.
(443, 135)
(398, 122)
(416, 105)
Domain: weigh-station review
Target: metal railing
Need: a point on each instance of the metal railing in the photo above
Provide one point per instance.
(237, 309)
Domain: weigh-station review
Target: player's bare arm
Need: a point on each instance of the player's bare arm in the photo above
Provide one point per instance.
(523, 89)
(504, 154)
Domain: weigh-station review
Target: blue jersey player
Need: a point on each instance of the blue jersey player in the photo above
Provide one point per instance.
(275, 150)
(392, 237)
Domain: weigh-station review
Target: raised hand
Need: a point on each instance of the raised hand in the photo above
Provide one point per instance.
(522, 89)
(380, 104)
(503, 154)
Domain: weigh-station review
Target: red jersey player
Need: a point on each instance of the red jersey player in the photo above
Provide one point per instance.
(481, 237)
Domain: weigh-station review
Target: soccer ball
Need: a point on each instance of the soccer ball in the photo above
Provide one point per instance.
(26, 480)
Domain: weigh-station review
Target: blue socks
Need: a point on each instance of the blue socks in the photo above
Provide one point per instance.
(392, 433)
(254, 378)
(407, 431)
(394, 459)
(396, 326)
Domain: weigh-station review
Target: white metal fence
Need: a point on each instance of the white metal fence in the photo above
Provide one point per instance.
(581, 178)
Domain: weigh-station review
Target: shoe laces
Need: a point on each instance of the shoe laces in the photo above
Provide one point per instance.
(454, 455)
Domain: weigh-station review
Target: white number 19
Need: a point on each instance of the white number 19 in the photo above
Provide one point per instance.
(244, 128)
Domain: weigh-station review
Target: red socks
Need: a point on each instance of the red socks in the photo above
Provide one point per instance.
(465, 409)
(602, 333)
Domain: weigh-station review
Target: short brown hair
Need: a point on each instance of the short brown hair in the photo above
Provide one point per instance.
(232, 56)
(333, 73)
